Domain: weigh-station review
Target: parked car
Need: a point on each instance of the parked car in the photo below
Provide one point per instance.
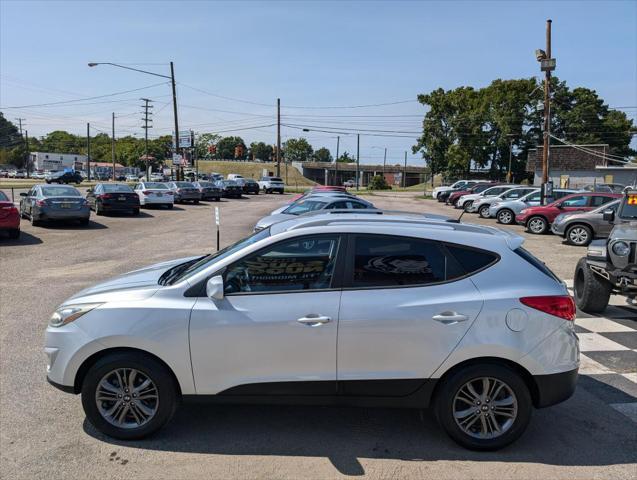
(322, 194)
(184, 192)
(64, 177)
(157, 177)
(581, 228)
(351, 183)
(112, 197)
(610, 266)
(38, 175)
(538, 219)
(234, 176)
(4, 173)
(505, 212)
(154, 193)
(466, 201)
(249, 185)
(460, 318)
(208, 190)
(9, 217)
(20, 174)
(451, 197)
(604, 187)
(229, 188)
(132, 177)
(456, 185)
(482, 205)
(272, 184)
(54, 202)
(215, 177)
(312, 204)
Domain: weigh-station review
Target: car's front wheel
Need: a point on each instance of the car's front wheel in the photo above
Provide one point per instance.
(537, 225)
(484, 407)
(484, 211)
(467, 205)
(579, 235)
(129, 395)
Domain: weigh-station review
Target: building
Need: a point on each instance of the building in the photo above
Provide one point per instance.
(571, 167)
(328, 173)
(54, 161)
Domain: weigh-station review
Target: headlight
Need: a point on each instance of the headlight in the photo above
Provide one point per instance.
(524, 211)
(70, 313)
(621, 249)
(559, 218)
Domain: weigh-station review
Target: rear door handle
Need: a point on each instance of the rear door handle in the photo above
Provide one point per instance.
(449, 318)
(314, 320)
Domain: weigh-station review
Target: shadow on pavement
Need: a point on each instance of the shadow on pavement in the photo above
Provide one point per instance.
(582, 431)
(25, 239)
(141, 214)
(71, 225)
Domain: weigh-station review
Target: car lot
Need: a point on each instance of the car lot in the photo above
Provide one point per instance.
(44, 433)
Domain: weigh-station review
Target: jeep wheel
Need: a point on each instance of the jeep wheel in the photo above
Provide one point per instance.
(579, 235)
(591, 291)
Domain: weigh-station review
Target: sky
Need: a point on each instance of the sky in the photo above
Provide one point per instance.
(234, 59)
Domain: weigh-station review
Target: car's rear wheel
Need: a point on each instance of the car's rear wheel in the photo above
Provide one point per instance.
(129, 395)
(591, 291)
(467, 205)
(84, 221)
(135, 211)
(537, 225)
(484, 211)
(579, 235)
(506, 216)
(484, 407)
(34, 220)
(99, 210)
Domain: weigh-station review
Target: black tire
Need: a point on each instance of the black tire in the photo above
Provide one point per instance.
(98, 210)
(217, 199)
(169, 206)
(537, 225)
(466, 205)
(591, 291)
(135, 211)
(196, 202)
(14, 233)
(268, 191)
(506, 216)
(167, 391)
(484, 211)
(444, 406)
(579, 235)
(84, 221)
(281, 192)
(34, 221)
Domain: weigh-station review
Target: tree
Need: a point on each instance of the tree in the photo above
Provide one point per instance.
(226, 148)
(345, 158)
(203, 141)
(323, 155)
(12, 148)
(260, 151)
(297, 150)
(378, 182)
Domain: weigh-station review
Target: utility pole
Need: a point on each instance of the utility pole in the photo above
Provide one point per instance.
(405, 172)
(358, 157)
(20, 124)
(113, 145)
(338, 144)
(278, 137)
(547, 65)
(88, 151)
(26, 143)
(172, 81)
(384, 161)
(510, 158)
(146, 126)
(26, 146)
(193, 150)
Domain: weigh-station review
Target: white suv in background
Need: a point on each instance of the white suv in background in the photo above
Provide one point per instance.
(271, 184)
(418, 312)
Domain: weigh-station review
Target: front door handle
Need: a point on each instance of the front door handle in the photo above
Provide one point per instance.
(449, 318)
(314, 320)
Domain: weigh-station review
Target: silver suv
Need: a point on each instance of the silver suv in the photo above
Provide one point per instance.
(418, 313)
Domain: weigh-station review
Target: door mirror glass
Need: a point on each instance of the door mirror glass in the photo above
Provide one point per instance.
(214, 288)
(23, 194)
(608, 215)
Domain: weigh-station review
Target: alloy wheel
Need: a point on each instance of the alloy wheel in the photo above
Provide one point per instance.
(484, 211)
(536, 225)
(485, 408)
(505, 217)
(127, 398)
(578, 235)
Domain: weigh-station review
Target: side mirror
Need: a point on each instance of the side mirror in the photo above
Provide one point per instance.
(214, 288)
(559, 205)
(608, 215)
(23, 194)
(90, 190)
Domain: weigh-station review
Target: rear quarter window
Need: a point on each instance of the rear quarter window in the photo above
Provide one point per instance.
(472, 260)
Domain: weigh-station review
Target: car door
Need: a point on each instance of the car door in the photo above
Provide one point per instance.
(405, 306)
(274, 332)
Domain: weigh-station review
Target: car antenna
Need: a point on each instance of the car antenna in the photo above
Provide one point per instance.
(457, 220)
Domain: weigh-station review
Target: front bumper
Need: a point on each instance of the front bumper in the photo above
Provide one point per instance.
(558, 229)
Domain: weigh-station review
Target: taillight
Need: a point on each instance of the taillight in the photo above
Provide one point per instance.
(561, 306)
(40, 203)
(147, 192)
(169, 192)
(11, 208)
(105, 195)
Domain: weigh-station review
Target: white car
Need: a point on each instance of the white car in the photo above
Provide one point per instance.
(466, 201)
(132, 178)
(234, 176)
(418, 313)
(272, 184)
(154, 193)
(458, 184)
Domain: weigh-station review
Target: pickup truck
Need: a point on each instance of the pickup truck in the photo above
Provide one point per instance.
(271, 184)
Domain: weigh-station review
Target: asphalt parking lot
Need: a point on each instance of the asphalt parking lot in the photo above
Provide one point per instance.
(43, 432)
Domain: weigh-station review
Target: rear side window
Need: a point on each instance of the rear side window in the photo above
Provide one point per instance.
(599, 201)
(387, 261)
(541, 266)
(472, 260)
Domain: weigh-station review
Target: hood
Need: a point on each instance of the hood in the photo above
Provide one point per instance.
(135, 285)
(272, 219)
(625, 231)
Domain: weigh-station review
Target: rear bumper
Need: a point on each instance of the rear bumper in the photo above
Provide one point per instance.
(163, 200)
(119, 207)
(48, 214)
(554, 388)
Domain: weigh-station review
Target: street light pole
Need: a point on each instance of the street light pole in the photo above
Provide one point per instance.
(405, 172)
(510, 158)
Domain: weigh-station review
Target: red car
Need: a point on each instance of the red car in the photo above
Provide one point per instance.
(538, 219)
(478, 188)
(9, 217)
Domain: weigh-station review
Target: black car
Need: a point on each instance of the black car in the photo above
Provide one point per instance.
(64, 177)
(112, 197)
(249, 185)
(208, 190)
(229, 188)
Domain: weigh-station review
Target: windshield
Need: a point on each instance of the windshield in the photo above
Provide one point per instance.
(156, 185)
(60, 191)
(304, 206)
(188, 269)
(629, 207)
(229, 183)
(119, 188)
(205, 184)
(184, 185)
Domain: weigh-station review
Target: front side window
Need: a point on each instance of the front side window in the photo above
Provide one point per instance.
(579, 201)
(386, 261)
(305, 263)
